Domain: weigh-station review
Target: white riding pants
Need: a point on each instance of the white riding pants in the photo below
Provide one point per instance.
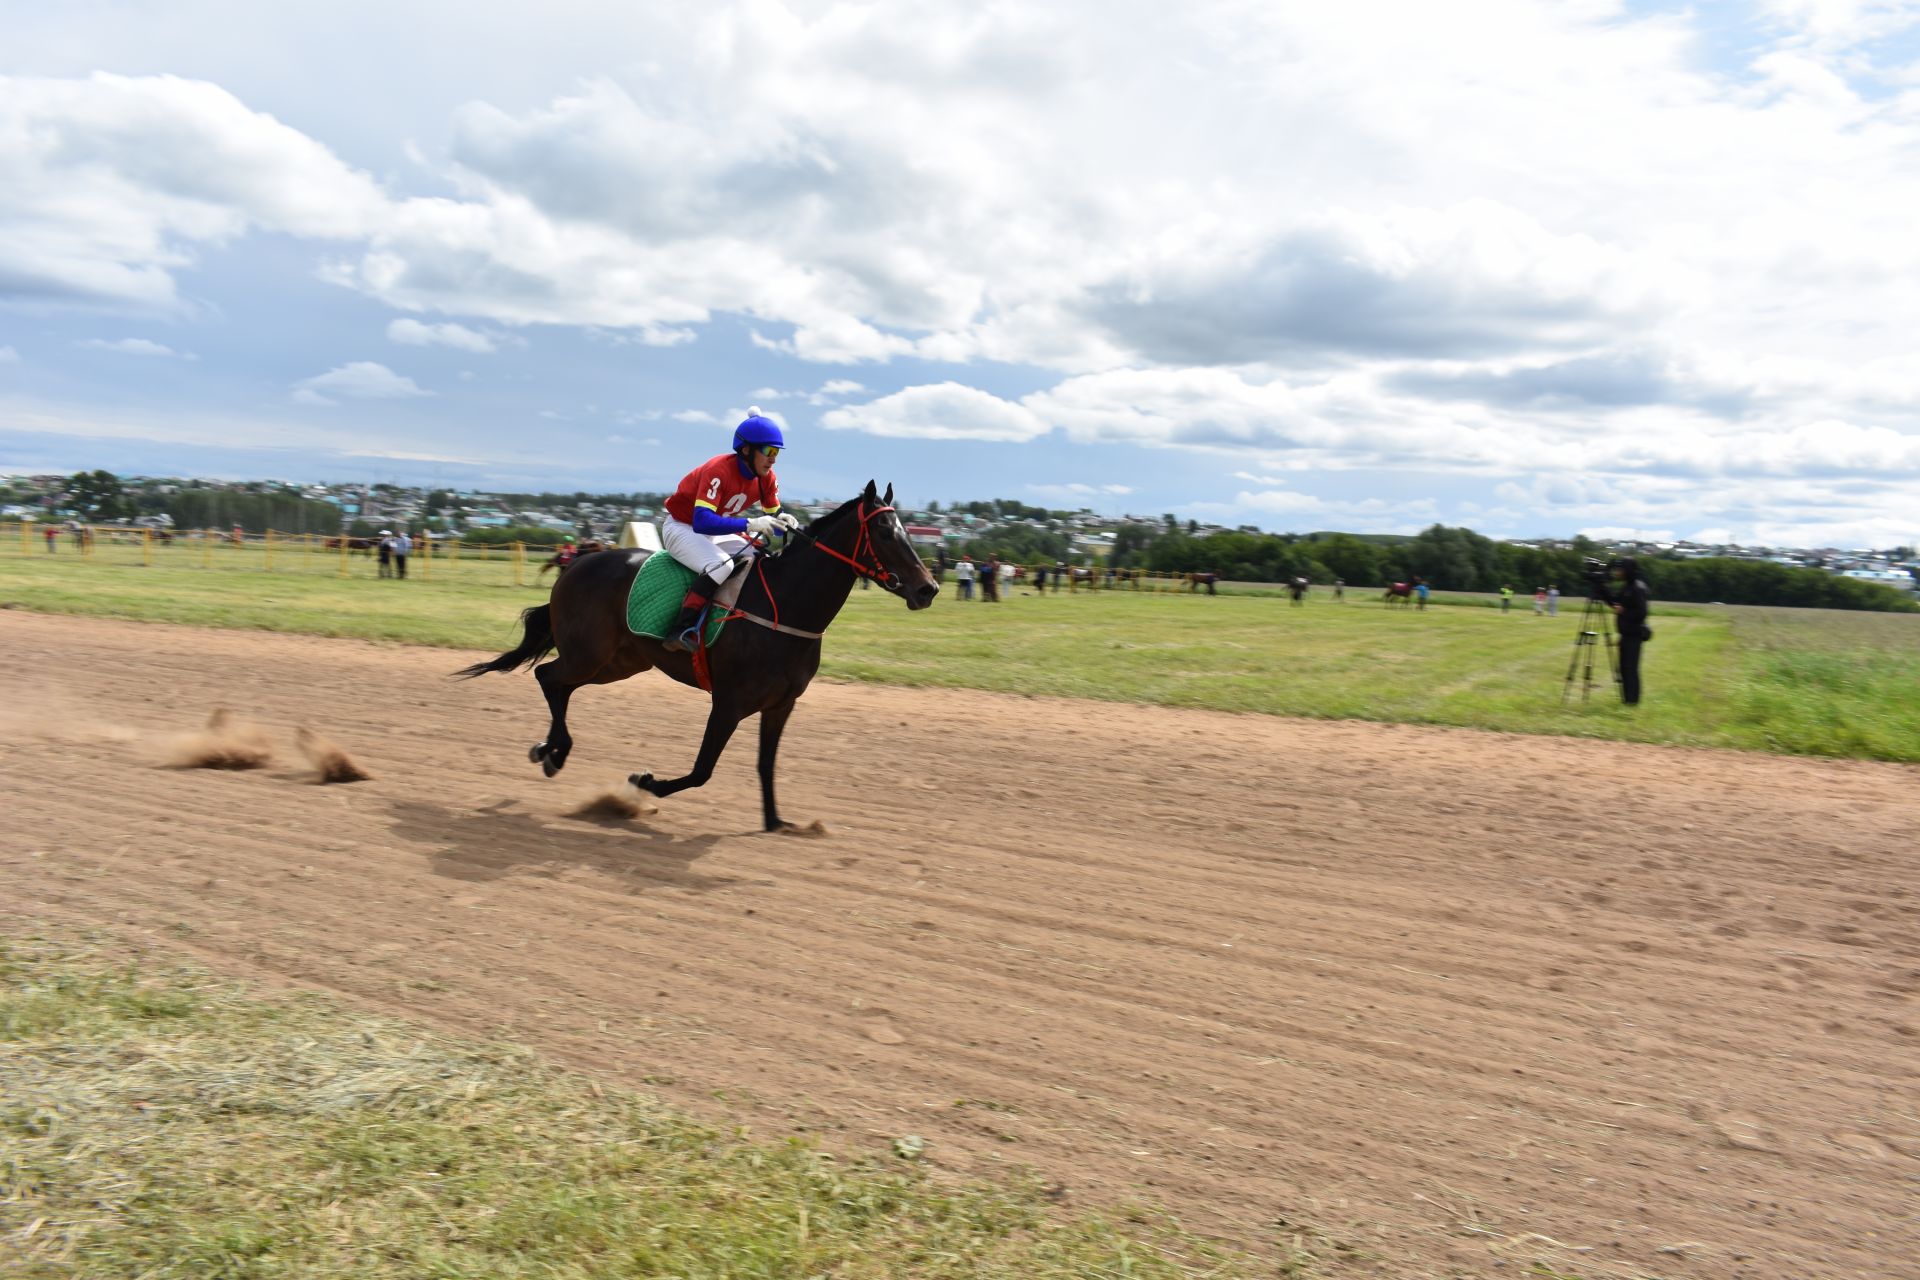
(703, 553)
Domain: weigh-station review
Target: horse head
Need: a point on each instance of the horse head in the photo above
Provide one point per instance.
(867, 534)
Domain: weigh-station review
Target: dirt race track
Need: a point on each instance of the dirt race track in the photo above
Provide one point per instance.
(1463, 1001)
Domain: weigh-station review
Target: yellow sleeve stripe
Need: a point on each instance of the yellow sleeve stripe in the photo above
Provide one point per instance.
(769, 509)
(702, 502)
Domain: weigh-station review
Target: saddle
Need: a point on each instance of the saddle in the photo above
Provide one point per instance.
(653, 601)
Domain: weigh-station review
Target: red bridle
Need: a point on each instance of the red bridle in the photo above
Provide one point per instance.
(864, 543)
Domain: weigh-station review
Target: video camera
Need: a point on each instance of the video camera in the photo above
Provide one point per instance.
(1598, 573)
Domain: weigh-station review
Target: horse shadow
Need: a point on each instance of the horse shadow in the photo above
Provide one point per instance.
(498, 841)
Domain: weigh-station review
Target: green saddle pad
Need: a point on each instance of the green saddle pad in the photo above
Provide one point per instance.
(653, 601)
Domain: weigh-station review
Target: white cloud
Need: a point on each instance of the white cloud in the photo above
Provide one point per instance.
(695, 415)
(840, 387)
(1065, 492)
(9, 356)
(358, 380)
(944, 411)
(414, 333)
(132, 347)
(107, 184)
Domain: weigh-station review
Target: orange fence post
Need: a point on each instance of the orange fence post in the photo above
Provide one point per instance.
(519, 565)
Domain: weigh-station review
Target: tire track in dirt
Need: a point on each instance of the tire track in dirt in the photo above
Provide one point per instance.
(1430, 991)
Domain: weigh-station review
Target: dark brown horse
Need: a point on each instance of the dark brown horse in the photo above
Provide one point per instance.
(762, 662)
(1399, 591)
(561, 559)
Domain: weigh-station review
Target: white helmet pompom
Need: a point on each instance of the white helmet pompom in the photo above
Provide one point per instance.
(753, 411)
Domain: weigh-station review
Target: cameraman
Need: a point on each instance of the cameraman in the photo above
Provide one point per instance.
(1628, 596)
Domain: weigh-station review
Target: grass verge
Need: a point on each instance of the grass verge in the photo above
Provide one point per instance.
(160, 1123)
(1809, 682)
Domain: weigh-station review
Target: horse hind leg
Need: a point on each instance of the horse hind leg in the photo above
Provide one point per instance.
(551, 753)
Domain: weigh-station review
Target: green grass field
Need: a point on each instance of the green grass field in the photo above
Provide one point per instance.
(160, 1123)
(1799, 681)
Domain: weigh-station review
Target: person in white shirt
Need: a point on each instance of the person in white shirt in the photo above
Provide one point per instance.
(963, 574)
(402, 546)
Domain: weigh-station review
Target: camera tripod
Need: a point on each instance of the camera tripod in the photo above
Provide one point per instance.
(1596, 632)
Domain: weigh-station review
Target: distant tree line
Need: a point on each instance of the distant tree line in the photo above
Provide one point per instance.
(1461, 560)
(253, 512)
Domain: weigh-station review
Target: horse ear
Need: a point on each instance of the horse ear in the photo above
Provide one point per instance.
(888, 500)
(871, 491)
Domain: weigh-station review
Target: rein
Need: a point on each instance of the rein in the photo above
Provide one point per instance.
(875, 571)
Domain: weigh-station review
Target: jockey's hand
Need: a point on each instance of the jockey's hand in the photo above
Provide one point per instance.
(766, 529)
(789, 520)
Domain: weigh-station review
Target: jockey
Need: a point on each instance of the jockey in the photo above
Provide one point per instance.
(707, 522)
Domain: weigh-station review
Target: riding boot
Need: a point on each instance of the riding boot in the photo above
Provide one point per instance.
(680, 635)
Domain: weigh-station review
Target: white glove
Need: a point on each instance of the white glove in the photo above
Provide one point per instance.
(791, 521)
(766, 528)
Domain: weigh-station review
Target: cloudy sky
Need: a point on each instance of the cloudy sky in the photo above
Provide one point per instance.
(1527, 267)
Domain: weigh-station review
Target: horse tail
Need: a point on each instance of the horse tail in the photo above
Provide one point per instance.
(536, 644)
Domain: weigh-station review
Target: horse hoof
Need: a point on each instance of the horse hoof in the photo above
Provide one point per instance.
(551, 765)
(537, 752)
(644, 781)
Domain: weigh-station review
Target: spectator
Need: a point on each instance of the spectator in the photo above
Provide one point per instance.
(53, 540)
(1539, 601)
(1628, 596)
(963, 574)
(1340, 590)
(1040, 579)
(990, 580)
(1506, 598)
(402, 548)
(1420, 592)
(386, 553)
(1553, 601)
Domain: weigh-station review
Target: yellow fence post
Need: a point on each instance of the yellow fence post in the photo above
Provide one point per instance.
(86, 540)
(519, 564)
(343, 554)
(146, 548)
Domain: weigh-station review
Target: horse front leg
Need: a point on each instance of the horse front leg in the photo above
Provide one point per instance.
(772, 721)
(721, 722)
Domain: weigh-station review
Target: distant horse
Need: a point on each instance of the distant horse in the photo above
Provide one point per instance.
(1399, 591)
(560, 559)
(351, 544)
(1297, 588)
(1210, 581)
(761, 663)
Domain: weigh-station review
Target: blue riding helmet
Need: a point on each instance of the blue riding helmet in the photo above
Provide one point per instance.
(754, 429)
